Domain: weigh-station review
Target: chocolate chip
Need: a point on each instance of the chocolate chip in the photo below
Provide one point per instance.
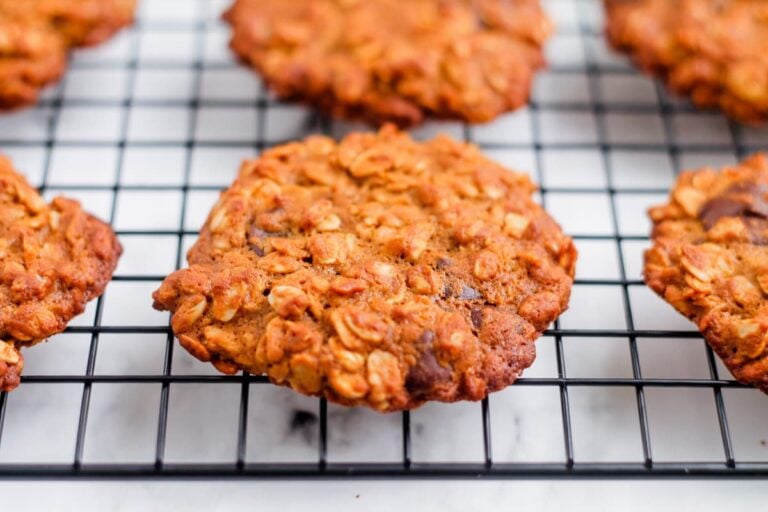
(759, 194)
(423, 377)
(256, 237)
(466, 292)
(257, 233)
(427, 337)
(740, 200)
(758, 232)
(477, 317)
(257, 250)
(443, 263)
(469, 293)
(717, 208)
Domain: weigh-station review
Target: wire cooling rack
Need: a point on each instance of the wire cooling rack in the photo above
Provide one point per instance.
(146, 130)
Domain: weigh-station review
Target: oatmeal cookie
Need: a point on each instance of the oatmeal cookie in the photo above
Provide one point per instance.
(712, 51)
(710, 261)
(376, 271)
(53, 259)
(389, 60)
(35, 36)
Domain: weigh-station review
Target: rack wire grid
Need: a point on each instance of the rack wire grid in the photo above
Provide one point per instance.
(147, 130)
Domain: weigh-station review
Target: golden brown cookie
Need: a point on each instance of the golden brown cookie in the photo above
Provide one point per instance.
(53, 259)
(389, 60)
(710, 261)
(35, 36)
(376, 271)
(712, 51)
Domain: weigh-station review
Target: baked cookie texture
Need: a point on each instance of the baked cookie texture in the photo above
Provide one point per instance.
(377, 271)
(394, 61)
(712, 51)
(710, 261)
(35, 36)
(54, 258)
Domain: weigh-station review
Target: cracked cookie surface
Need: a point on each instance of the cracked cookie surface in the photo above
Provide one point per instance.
(394, 61)
(712, 51)
(376, 271)
(710, 261)
(54, 258)
(35, 36)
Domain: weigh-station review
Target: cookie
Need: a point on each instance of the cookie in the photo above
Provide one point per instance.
(712, 51)
(710, 261)
(54, 259)
(377, 271)
(390, 61)
(35, 36)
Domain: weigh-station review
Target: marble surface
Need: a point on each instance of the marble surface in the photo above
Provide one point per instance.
(84, 161)
(368, 496)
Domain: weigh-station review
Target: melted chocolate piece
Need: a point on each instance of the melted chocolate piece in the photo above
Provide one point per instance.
(466, 292)
(257, 233)
(256, 237)
(477, 317)
(427, 372)
(758, 230)
(425, 375)
(740, 200)
(469, 293)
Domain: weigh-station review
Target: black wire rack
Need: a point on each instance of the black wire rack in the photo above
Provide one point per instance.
(192, 40)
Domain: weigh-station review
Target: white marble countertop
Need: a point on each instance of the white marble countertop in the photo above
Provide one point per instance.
(376, 496)
(85, 162)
